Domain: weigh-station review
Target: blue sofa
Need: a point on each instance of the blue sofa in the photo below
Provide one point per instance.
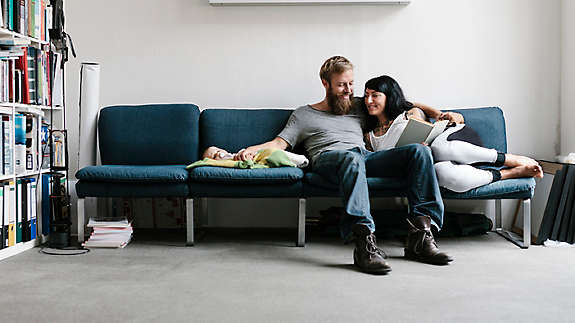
(145, 149)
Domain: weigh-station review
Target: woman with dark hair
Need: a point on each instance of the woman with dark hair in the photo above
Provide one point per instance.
(454, 151)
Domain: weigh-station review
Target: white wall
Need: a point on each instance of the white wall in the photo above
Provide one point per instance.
(447, 53)
(568, 77)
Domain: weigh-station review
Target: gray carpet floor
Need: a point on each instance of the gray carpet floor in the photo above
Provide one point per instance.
(258, 278)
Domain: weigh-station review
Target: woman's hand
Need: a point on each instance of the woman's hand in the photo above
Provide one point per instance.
(453, 117)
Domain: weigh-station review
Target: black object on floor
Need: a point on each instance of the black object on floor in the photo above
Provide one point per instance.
(559, 217)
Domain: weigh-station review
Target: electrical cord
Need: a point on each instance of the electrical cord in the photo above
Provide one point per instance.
(68, 251)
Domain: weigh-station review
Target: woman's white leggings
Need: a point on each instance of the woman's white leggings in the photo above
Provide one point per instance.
(452, 159)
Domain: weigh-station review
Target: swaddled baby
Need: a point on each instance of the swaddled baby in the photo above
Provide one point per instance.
(217, 153)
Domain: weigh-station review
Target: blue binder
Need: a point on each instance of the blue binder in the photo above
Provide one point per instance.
(46, 211)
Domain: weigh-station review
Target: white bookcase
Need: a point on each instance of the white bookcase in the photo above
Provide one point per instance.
(53, 115)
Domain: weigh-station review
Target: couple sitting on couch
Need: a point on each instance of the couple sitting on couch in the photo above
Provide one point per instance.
(332, 133)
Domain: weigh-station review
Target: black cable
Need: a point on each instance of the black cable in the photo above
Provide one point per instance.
(70, 251)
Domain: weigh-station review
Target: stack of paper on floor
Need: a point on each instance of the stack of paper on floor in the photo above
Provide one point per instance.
(109, 234)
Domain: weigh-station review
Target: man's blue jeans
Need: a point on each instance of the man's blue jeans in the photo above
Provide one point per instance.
(350, 169)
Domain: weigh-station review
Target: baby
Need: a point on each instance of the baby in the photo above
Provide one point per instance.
(217, 153)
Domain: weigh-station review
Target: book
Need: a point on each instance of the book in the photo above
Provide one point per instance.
(31, 143)
(24, 85)
(16, 15)
(4, 4)
(32, 18)
(22, 16)
(45, 147)
(32, 77)
(7, 145)
(105, 244)
(115, 222)
(20, 143)
(417, 131)
(14, 42)
(10, 14)
(48, 22)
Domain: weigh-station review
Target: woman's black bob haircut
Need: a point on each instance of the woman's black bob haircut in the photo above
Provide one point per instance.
(395, 102)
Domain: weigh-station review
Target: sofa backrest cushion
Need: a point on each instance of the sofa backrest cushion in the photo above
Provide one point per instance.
(154, 134)
(234, 129)
(489, 123)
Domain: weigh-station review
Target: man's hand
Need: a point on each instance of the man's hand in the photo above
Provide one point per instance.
(416, 113)
(453, 117)
(250, 152)
(245, 154)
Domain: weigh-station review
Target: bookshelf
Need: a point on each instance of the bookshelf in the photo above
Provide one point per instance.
(28, 96)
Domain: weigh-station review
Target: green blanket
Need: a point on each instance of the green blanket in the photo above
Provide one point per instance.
(265, 158)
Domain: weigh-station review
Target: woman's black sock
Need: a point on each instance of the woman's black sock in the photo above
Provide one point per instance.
(500, 159)
(496, 175)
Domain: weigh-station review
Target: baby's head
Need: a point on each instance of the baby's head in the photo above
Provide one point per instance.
(214, 152)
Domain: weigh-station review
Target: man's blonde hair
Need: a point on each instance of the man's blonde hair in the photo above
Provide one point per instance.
(334, 65)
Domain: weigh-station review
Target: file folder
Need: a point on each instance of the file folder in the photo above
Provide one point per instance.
(3, 232)
(6, 212)
(32, 207)
(26, 234)
(12, 214)
(46, 212)
(19, 213)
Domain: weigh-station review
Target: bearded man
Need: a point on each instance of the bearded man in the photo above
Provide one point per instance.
(331, 133)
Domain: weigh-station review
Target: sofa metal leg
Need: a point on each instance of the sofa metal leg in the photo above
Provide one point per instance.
(524, 242)
(526, 223)
(81, 218)
(301, 223)
(498, 224)
(189, 222)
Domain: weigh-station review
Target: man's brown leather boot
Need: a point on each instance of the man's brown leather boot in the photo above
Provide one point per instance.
(366, 255)
(421, 245)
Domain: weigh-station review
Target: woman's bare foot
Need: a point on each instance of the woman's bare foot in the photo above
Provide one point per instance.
(522, 171)
(516, 160)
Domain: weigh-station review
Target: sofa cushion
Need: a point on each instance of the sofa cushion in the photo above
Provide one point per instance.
(518, 188)
(489, 124)
(116, 189)
(234, 129)
(208, 174)
(154, 134)
(135, 174)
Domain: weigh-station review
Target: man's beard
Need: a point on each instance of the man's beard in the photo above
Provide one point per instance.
(338, 105)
